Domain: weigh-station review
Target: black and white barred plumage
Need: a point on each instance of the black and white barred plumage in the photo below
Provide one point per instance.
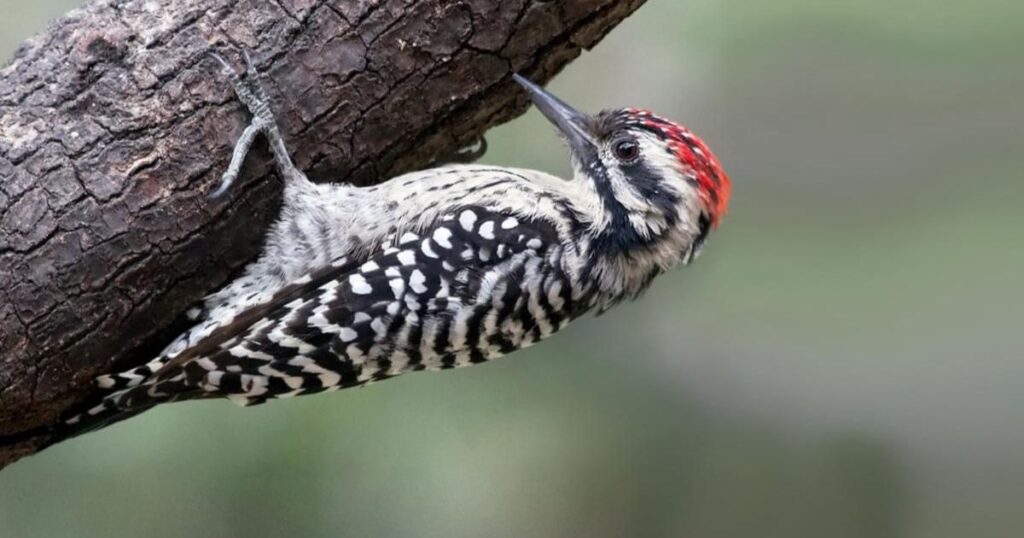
(436, 269)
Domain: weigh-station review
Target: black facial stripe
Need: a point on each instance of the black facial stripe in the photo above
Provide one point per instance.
(702, 234)
(651, 186)
(648, 184)
(620, 236)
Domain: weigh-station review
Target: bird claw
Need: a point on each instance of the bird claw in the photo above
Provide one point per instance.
(469, 153)
(225, 66)
(225, 183)
(250, 67)
(250, 93)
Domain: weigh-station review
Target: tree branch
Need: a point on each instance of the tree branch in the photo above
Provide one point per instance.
(115, 127)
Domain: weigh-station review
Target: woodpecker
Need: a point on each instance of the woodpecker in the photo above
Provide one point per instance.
(436, 269)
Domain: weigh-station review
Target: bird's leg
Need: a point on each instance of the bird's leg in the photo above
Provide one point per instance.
(251, 94)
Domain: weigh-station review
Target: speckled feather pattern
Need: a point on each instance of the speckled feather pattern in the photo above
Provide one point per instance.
(431, 270)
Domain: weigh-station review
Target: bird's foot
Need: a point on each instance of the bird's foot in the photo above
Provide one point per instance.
(251, 94)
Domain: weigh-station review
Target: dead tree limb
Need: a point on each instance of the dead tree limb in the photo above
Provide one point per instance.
(115, 125)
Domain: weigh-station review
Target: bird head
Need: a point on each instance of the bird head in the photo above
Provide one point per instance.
(658, 184)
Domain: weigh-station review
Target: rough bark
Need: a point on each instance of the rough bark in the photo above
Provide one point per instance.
(115, 126)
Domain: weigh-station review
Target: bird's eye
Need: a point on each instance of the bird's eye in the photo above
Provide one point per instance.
(626, 150)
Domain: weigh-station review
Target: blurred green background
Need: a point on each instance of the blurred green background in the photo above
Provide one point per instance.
(844, 361)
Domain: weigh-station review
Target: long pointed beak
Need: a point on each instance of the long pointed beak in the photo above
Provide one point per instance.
(570, 122)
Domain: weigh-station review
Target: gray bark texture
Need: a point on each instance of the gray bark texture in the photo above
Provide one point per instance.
(115, 126)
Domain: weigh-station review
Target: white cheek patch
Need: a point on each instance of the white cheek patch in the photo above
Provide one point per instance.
(658, 157)
(666, 177)
(622, 188)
